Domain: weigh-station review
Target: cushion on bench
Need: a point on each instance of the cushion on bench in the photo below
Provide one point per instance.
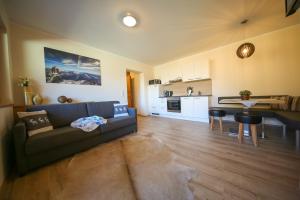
(291, 119)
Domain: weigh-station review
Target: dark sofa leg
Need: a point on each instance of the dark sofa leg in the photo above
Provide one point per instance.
(298, 140)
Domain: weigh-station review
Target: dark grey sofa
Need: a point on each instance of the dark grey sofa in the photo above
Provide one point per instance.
(41, 149)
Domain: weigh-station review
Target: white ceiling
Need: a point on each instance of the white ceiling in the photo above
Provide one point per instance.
(168, 29)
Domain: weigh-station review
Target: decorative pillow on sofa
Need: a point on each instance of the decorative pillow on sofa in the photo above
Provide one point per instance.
(36, 122)
(120, 110)
(295, 104)
(285, 106)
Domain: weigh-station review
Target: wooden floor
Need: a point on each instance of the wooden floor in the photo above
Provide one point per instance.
(225, 169)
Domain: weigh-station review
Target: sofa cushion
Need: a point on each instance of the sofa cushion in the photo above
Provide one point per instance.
(55, 138)
(61, 115)
(116, 123)
(102, 109)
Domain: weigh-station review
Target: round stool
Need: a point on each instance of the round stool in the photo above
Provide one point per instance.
(216, 113)
(252, 120)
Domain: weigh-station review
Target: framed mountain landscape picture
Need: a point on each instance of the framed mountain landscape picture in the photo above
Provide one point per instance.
(68, 68)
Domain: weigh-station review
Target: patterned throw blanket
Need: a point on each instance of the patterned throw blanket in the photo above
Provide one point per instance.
(88, 124)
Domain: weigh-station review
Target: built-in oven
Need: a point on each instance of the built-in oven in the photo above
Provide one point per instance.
(173, 104)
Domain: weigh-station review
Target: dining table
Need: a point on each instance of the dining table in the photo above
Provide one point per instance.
(247, 104)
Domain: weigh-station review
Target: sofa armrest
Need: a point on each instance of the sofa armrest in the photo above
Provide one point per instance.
(19, 138)
(132, 112)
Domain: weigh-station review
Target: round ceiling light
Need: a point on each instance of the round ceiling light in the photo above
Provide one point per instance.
(245, 50)
(129, 20)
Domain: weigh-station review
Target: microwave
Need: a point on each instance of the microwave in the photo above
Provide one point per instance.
(154, 81)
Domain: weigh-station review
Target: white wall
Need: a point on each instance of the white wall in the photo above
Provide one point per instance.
(273, 69)
(28, 60)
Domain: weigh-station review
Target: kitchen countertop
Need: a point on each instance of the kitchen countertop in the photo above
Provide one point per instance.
(202, 95)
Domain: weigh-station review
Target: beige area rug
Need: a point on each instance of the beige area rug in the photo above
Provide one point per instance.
(154, 171)
(136, 167)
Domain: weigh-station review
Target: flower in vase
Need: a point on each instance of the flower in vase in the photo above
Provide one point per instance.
(24, 82)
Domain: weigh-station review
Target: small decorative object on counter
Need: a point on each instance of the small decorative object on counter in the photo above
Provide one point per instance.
(37, 99)
(199, 93)
(62, 99)
(245, 94)
(25, 84)
(189, 90)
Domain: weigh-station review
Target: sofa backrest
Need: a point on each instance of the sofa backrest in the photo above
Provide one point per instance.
(103, 109)
(62, 114)
(295, 105)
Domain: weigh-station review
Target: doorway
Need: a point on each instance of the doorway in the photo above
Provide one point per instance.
(136, 93)
(130, 89)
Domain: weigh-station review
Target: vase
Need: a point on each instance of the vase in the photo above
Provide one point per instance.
(245, 97)
(37, 99)
(27, 96)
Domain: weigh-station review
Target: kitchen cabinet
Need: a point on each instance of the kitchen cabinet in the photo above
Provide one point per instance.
(192, 108)
(174, 71)
(162, 106)
(153, 99)
(200, 107)
(156, 105)
(195, 108)
(163, 74)
(202, 69)
(195, 70)
(187, 106)
(187, 70)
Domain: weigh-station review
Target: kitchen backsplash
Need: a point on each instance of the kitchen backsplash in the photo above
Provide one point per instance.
(179, 88)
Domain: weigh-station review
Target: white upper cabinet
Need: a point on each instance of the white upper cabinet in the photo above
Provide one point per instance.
(174, 70)
(185, 69)
(201, 69)
(195, 70)
(162, 74)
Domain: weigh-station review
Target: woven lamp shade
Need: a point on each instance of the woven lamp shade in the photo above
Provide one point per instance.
(245, 50)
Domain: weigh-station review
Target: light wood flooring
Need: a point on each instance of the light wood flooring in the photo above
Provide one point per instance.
(225, 169)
